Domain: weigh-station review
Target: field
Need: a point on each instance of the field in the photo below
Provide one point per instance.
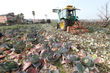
(41, 48)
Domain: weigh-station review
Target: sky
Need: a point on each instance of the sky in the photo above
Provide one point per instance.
(89, 8)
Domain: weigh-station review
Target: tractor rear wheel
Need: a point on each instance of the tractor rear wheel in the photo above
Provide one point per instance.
(57, 25)
(63, 24)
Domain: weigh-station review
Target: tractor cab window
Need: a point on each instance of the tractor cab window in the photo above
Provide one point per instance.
(70, 12)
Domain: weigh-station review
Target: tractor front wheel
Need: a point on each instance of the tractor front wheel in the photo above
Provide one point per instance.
(63, 24)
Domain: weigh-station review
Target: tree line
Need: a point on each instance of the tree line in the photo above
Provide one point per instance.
(19, 18)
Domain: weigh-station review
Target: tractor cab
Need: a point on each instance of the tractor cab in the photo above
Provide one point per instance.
(71, 13)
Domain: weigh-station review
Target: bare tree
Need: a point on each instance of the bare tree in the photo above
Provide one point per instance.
(104, 15)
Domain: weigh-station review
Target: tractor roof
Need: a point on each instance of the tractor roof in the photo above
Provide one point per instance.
(70, 7)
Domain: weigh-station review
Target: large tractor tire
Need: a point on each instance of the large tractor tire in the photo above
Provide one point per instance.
(63, 24)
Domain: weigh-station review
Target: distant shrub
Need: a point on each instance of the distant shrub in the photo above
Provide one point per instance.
(36, 22)
(2, 24)
(48, 21)
(9, 21)
(42, 21)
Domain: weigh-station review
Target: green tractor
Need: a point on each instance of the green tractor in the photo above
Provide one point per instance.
(68, 21)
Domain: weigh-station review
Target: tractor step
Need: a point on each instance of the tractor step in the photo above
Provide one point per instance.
(77, 29)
